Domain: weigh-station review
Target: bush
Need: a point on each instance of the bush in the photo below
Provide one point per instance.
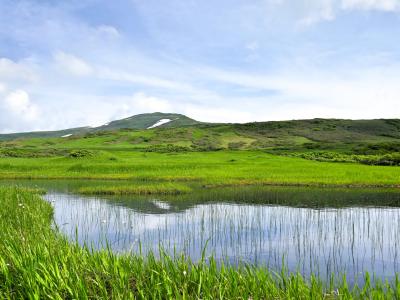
(392, 159)
(380, 148)
(312, 145)
(30, 153)
(169, 148)
(80, 153)
(205, 144)
(236, 145)
(384, 160)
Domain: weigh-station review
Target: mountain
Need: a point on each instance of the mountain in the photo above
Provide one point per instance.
(175, 132)
(146, 121)
(142, 121)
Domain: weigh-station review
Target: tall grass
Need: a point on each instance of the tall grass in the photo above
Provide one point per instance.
(208, 168)
(136, 189)
(36, 262)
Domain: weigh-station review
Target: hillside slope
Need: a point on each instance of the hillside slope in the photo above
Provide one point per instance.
(175, 133)
(142, 121)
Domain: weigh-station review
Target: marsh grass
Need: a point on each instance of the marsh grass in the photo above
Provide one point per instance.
(36, 262)
(33, 190)
(208, 168)
(137, 189)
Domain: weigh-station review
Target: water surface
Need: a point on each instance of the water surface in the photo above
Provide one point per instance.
(311, 230)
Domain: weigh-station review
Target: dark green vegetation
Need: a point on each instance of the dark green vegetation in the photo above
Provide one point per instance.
(36, 262)
(374, 142)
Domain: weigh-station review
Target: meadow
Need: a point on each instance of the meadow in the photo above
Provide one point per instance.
(318, 152)
(208, 169)
(186, 163)
(37, 262)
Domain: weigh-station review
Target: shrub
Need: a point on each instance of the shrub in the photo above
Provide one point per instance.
(236, 145)
(169, 148)
(80, 153)
(392, 159)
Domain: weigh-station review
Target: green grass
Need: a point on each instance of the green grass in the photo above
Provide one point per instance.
(135, 189)
(188, 153)
(36, 262)
(204, 168)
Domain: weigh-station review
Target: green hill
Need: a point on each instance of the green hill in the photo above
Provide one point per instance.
(160, 132)
(142, 121)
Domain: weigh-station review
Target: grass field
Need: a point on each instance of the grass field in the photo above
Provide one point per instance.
(36, 262)
(315, 152)
(136, 189)
(205, 168)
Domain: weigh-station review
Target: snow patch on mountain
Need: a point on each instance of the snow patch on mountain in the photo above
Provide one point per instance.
(67, 135)
(159, 123)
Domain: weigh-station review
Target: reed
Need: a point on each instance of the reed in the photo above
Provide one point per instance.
(137, 189)
(37, 262)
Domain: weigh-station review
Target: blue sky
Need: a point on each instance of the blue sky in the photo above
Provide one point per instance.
(76, 63)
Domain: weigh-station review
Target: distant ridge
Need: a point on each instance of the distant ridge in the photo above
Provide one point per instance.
(141, 121)
(292, 132)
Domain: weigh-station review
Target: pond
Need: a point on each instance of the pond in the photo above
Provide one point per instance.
(322, 231)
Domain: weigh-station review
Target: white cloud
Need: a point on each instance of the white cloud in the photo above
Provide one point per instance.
(108, 31)
(383, 5)
(72, 64)
(151, 104)
(19, 104)
(18, 113)
(369, 93)
(218, 114)
(316, 11)
(115, 107)
(10, 70)
(158, 60)
(309, 12)
(106, 73)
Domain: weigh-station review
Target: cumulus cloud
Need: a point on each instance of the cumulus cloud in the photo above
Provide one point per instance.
(72, 64)
(19, 104)
(18, 113)
(150, 61)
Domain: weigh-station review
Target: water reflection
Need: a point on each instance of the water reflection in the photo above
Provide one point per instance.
(314, 230)
(353, 239)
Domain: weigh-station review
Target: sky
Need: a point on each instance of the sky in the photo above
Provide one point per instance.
(77, 63)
